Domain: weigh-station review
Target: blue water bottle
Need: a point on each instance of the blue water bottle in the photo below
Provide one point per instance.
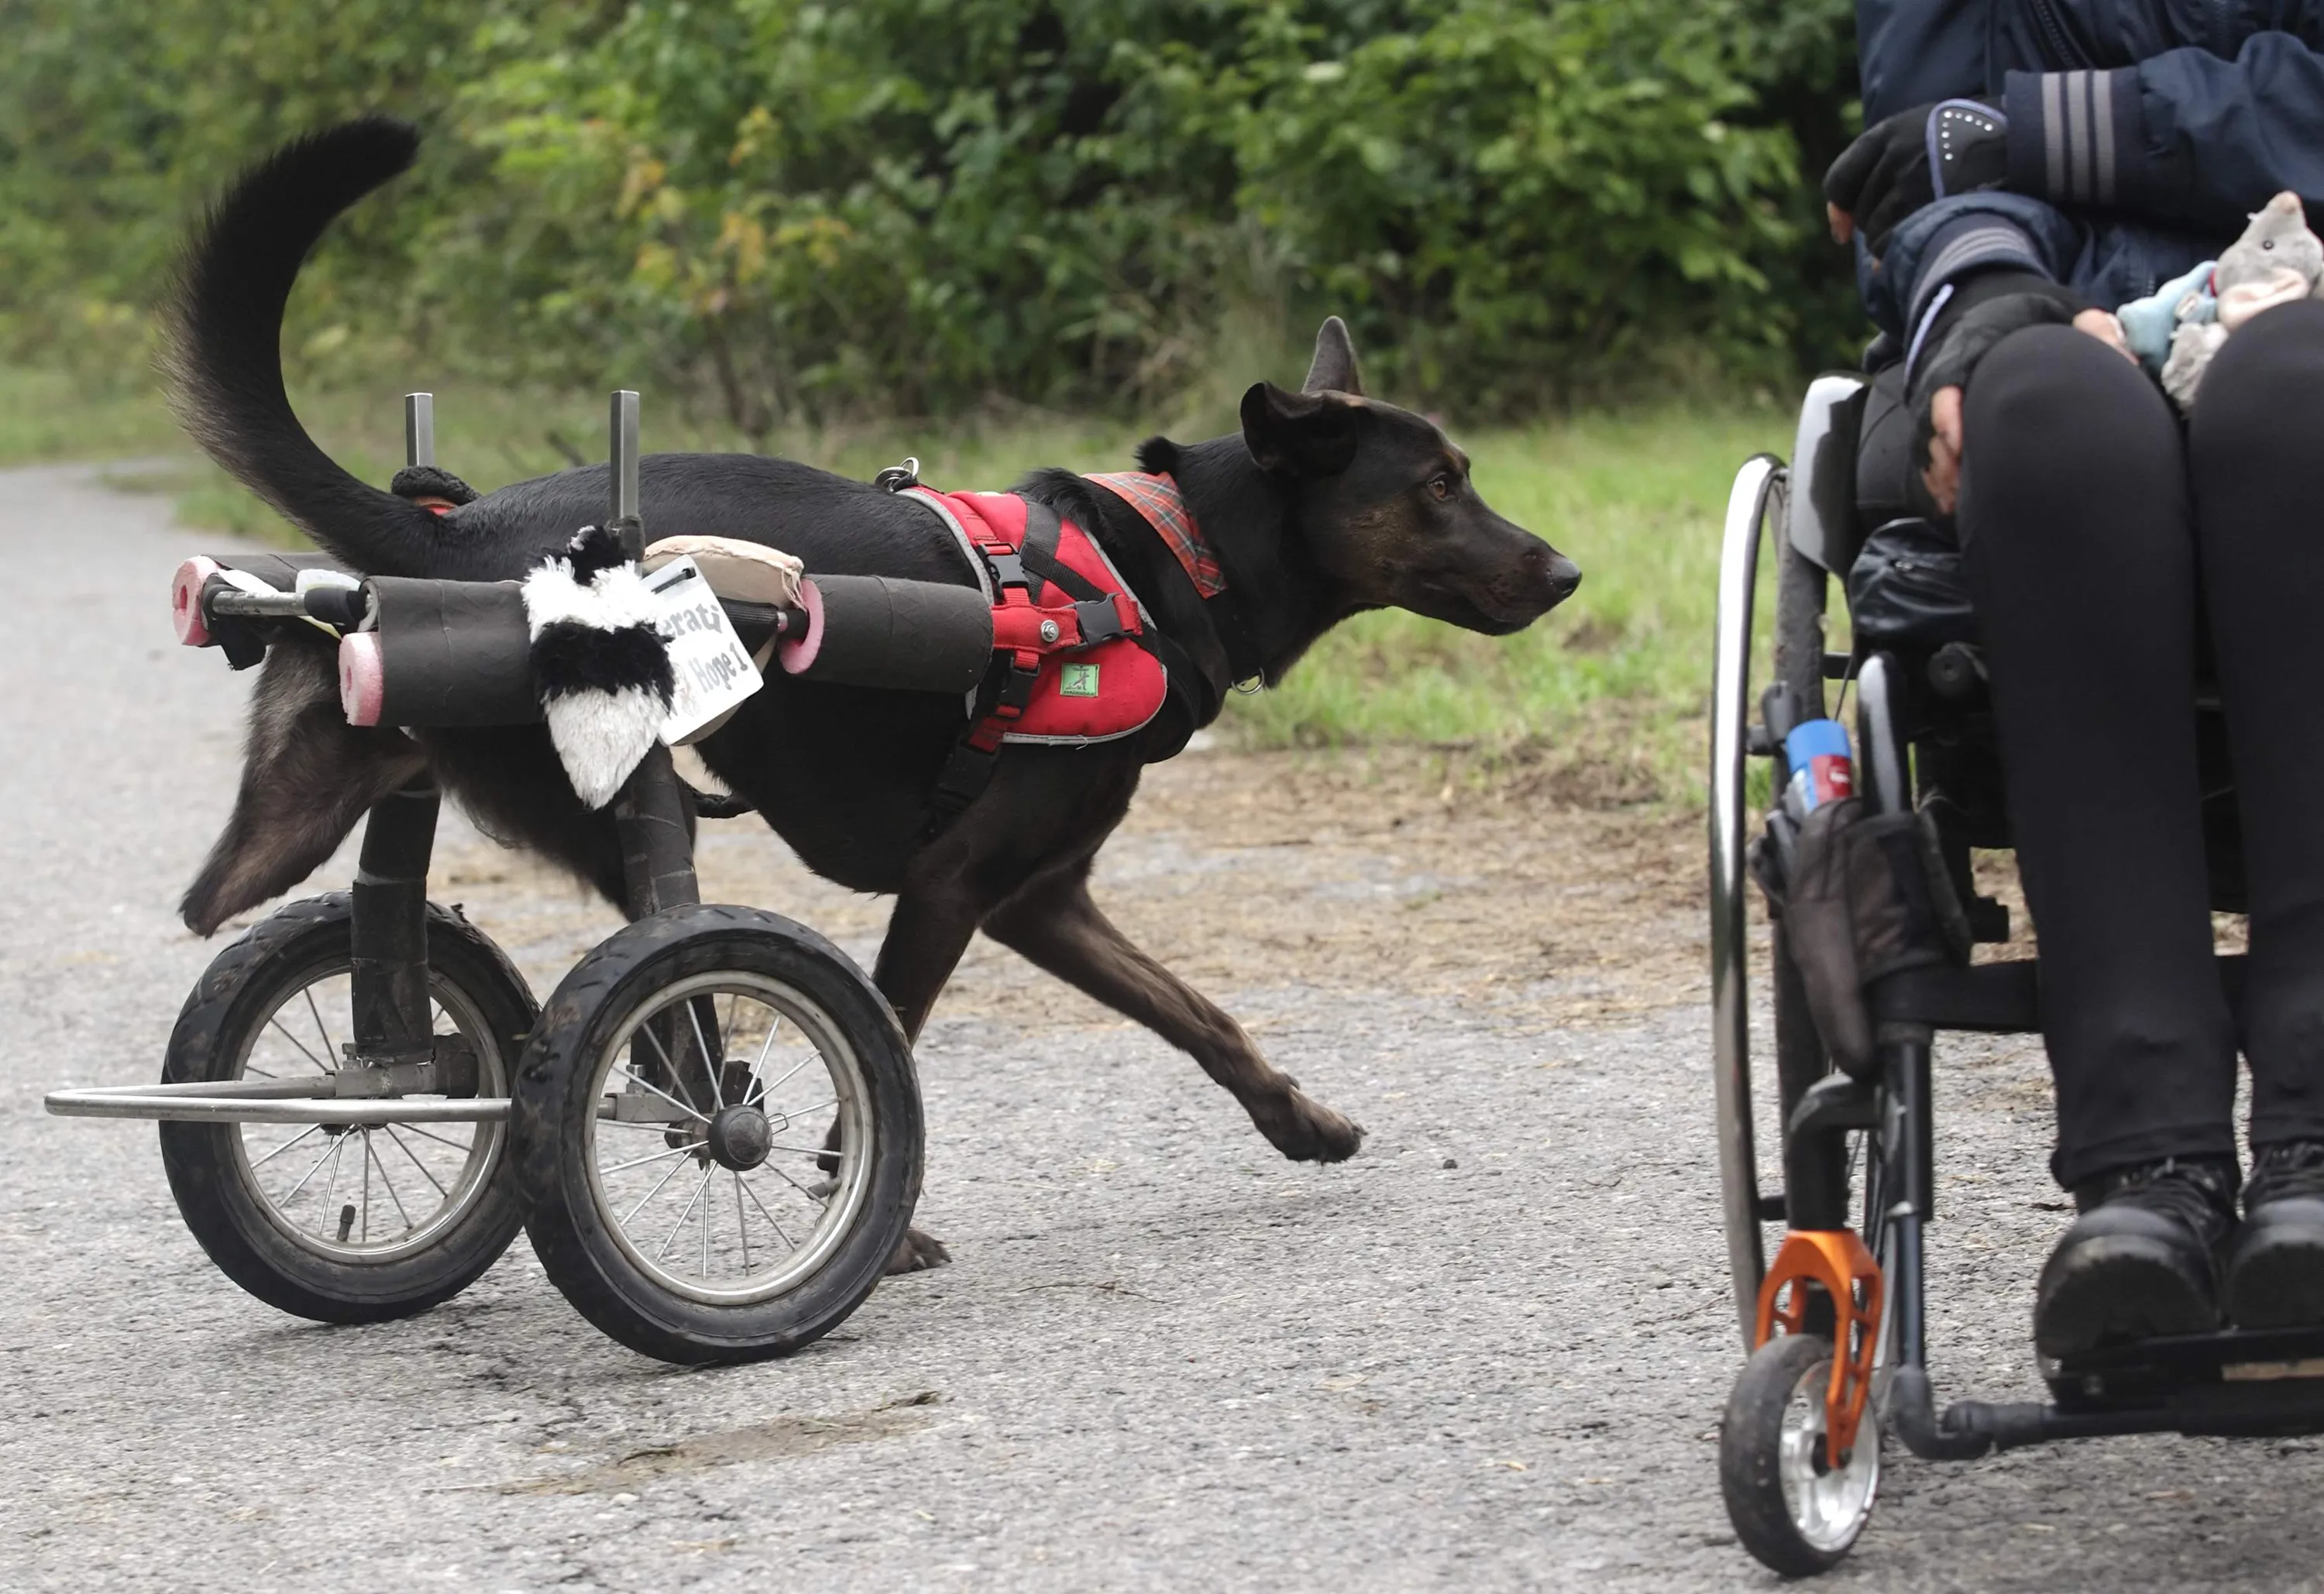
(1822, 770)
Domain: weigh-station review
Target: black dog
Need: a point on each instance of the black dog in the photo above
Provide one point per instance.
(1327, 504)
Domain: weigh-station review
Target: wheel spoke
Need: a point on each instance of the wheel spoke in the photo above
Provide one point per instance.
(415, 1161)
(413, 1128)
(276, 1020)
(769, 1216)
(329, 1152)
(778, 1084)
(712, 1066)
(634, 1075)
(682, 1214)
(639, 1162)
(331, 1185)
(742, 1222)
(385, 1182)
(311, 1128)
(650, 1194)
(366, 1188)
(786, 1179)
(321, 1028)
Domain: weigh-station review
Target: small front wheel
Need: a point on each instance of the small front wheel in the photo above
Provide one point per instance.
(719, 1127)
(1793, 1511)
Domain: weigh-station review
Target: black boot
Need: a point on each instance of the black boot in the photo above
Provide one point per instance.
(2141, 1260)
(2275, 1269)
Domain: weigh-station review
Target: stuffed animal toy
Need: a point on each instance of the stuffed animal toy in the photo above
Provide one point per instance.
(2176, 330)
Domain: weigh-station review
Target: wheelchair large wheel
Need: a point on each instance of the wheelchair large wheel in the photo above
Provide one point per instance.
(720, 1127)
(342, 1223)
(1793, 1511)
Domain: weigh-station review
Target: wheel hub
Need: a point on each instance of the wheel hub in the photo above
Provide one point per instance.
(739, 1138)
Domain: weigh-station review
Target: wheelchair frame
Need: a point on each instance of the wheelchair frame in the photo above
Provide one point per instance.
(398, 1071)
(1861, 1280)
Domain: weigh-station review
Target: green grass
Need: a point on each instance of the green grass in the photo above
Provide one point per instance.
(1608, 692)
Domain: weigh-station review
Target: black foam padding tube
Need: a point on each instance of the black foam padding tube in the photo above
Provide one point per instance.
(454, 653)
(907, 636)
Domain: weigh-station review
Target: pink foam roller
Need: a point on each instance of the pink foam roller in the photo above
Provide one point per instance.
(186, 600)
(362, 677)
(796, 653)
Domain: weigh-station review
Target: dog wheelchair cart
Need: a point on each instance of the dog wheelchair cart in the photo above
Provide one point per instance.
(1835, 1325)
(712, 1131)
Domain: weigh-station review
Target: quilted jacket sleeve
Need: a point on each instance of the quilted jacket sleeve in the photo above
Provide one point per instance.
(2185, 137)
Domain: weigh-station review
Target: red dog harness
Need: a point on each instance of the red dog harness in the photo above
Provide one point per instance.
(1065, 626)
(1063, 621)
(1078, 657)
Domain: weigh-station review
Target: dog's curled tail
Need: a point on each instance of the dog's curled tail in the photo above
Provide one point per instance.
(223, 359)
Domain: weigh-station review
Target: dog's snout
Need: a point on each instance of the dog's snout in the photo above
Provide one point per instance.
(1562, 576)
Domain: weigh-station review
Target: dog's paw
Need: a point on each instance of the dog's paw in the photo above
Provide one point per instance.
(916, 1251)
(1305, 1130)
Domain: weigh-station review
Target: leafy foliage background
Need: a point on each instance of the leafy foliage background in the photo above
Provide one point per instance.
(797, 211)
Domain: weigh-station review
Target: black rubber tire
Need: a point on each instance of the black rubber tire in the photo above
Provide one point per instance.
(555, 1097)
(1750, 1441)
(238, 993)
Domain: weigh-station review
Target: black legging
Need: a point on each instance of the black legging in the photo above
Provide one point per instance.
(2093, 526)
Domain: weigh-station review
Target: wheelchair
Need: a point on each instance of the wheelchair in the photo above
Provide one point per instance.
(712, 1130)
(1835, 1325)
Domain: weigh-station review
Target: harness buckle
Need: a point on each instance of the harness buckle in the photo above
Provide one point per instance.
(1100, 620)
(1016, 690)
(1007, 568)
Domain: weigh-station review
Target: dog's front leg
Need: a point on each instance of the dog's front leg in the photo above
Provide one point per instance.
(1053, 923)
(930, 927)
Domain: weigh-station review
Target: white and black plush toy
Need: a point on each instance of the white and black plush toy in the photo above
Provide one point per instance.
(598, 662)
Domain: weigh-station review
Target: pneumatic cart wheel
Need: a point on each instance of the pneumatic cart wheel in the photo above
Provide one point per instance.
(719, 1126)
(336, 1223)
(1793, 1510)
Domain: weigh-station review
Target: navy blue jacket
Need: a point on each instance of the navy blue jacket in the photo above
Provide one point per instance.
(2142, 132)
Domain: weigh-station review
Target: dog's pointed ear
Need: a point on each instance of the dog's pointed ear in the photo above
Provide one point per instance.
(1298, 434)
(1334, 370)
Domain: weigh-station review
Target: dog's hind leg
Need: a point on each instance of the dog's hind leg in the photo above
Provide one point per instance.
(307, 777)
(1055, 925)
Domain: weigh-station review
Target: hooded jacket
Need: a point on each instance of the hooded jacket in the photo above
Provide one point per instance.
(2141, 135)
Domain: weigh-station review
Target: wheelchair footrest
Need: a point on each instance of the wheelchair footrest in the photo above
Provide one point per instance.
(2237, 1384)
(1996, 998)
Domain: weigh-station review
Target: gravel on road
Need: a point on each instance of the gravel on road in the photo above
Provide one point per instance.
(1489, 1353)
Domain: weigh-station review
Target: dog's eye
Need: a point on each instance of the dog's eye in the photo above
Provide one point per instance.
(1440, 487)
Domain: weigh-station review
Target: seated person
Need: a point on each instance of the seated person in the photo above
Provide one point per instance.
(2117, 145)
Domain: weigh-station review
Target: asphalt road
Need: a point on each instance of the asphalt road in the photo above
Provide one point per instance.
(1490, 1353)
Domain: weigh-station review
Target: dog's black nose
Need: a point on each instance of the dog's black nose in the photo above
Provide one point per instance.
(1564, 576)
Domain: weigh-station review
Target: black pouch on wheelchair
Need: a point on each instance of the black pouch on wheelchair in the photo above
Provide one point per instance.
(1867, 896)
(1905, 589)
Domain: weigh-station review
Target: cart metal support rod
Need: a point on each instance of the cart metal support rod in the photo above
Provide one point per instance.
(420, 428)
(623, 426)
(388, 932)
(1738, 571)
(152, 1101)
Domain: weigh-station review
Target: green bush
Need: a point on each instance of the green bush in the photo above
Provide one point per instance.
(791, 210)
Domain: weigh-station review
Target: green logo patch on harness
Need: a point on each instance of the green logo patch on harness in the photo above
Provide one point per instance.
(1078, 680)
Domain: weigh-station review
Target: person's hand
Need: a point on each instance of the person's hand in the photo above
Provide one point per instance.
(1911, 160)
(1941, 476)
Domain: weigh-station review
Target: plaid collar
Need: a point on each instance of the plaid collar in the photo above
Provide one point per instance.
(1158, 499)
